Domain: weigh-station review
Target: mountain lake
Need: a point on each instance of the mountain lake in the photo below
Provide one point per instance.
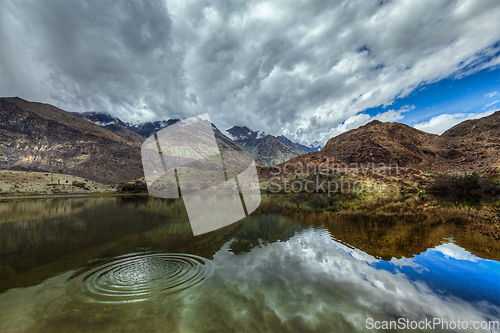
(131, 263)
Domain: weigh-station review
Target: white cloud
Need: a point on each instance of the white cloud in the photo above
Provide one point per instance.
(490, 104)
(293, 68)
(454, 251)
(491, 94)
(439, 124)
(408, 262)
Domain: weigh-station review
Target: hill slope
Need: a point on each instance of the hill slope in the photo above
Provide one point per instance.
(477, 142)
(471, 146)
(112, 124)
(383, 143)
(41, 137)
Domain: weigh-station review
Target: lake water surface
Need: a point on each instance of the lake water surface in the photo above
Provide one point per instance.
(132, 264)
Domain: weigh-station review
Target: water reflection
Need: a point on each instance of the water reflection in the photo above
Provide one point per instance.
(88, 270)
(450, 270)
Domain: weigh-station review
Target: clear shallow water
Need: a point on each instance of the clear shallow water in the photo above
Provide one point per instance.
(139, 277)
(132, 264)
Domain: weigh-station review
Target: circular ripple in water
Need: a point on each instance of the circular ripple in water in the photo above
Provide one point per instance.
(139, 277)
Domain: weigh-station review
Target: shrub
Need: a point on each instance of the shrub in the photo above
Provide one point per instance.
(463, 185)
(137, 187)
(318, 202)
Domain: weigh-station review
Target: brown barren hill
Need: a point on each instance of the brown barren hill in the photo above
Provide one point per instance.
(471, 146)
(42, 137)
(383, 143)
(477, 144)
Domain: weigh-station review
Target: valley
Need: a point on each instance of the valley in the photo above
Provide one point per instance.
(40, 138)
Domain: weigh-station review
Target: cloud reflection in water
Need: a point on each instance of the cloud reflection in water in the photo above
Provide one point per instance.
(308, 282)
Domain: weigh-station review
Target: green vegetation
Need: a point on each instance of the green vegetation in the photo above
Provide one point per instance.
(132, 187)
(467, 188)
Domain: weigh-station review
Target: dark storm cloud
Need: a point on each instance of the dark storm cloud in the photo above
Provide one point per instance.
(285, 67)
(107, 55)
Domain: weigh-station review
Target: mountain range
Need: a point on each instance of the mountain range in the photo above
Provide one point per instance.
(273, 149)
(266, 149)
(97, 146)
(270, 149)
(472, 146)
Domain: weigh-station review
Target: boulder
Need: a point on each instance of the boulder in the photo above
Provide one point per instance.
(79, 184)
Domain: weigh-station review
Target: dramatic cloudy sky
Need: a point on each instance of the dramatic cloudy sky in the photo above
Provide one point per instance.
(306, 69)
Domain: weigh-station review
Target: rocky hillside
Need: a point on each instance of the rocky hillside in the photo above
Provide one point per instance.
(91, 145)
(471, 146)
(383, 143)
(486, 128)
(476, 143)
(41, 137)
(274, 150)
(96, 146)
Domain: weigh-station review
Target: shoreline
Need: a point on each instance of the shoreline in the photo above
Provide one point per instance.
(9, 196)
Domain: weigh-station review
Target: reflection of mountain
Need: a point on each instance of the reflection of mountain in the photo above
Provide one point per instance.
(106, 227)
(474, 279)
(391, 236)
(34, 248)
(308, 283)
(262, 230)
(42, 209)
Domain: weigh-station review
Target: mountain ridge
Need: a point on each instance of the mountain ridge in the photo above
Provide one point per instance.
(472, 146)
(264, 147)
(274, 149)
(41, 137)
